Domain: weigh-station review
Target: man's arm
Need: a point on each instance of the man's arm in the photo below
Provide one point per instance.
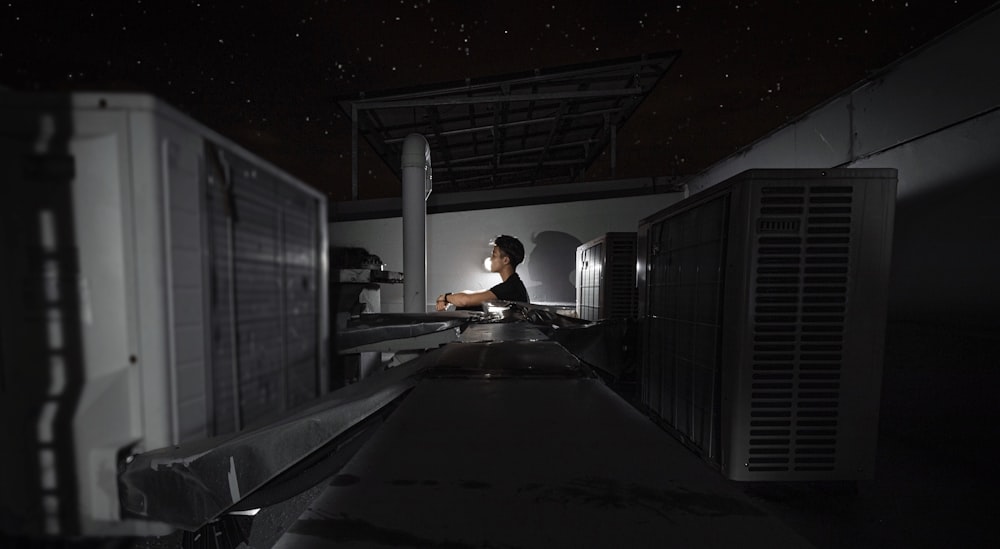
(467, 298)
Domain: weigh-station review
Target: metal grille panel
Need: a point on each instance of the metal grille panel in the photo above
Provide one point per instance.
(800, 303)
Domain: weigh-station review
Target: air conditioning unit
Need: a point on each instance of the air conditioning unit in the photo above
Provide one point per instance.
(161, 285)
(762, 302)
(605, 277)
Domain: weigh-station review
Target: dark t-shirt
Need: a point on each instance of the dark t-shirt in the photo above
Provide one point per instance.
(511, 289)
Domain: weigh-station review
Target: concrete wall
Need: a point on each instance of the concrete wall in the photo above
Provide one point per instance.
(935, 117)
(457, 243)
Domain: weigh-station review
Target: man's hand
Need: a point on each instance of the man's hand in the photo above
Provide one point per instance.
(442, 303)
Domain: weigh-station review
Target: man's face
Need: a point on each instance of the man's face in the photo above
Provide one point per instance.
(496, 260)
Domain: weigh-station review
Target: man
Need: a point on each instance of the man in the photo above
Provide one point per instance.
(508, 252)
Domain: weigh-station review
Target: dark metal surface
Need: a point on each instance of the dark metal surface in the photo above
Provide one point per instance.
(189, 485)
(543, 126)
(371, 328)
(502, 331)
(503, 359)
(528, 463)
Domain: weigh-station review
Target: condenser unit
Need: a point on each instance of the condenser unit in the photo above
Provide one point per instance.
(161, 285)
(605, 277)
(762, 302)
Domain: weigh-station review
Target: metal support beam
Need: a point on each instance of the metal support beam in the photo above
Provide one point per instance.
(513, 98)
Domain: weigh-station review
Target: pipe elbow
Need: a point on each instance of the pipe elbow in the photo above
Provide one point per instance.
(416, 152)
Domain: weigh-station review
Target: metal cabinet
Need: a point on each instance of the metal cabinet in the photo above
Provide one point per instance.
(160, 285)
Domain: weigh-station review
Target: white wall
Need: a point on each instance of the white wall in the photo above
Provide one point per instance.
(457, 243)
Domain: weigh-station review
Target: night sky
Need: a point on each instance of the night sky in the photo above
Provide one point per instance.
(267, 74)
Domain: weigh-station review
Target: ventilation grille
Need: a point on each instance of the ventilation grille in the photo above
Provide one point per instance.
(606, 276)
(620, 281)
(802, 249)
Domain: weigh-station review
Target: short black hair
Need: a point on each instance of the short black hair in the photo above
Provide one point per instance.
(511, 247)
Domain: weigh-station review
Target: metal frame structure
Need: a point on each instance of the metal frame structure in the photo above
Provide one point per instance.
(545, 126)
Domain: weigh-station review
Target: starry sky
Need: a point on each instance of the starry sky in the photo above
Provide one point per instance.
(268, 74)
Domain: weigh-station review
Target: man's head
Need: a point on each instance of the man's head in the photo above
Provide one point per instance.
(507, 247)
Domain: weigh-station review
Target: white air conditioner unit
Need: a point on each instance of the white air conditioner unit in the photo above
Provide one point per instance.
(605, 277)
(762, 302)
(160, 285)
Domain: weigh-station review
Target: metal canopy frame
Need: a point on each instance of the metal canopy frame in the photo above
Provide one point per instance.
(542, 127)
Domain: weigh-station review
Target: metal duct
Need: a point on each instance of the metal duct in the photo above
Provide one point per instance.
(416, 163)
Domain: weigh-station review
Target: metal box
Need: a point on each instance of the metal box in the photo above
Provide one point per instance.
(762, 302)
(161, 285)
(605, 277)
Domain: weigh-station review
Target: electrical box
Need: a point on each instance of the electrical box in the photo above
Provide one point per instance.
(161, 285)
(762, 304)
(606, 278)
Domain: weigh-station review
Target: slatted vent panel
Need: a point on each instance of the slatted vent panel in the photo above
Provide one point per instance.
(620, 297)
(800, 300)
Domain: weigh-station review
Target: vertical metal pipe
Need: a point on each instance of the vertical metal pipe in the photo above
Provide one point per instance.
(416, 164)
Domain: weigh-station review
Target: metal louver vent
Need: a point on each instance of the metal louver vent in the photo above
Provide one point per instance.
(621, 267)
(799, 310)
(605, 278)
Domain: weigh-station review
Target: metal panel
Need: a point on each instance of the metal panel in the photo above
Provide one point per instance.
(266, 311)
(223, 369)
(606, 277)
(900, 105)
(682, 331)
(589, 263)
(183, 196)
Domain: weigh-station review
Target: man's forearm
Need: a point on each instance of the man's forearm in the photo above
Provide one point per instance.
(467, 298)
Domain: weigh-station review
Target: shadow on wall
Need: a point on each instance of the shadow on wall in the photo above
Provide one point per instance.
(946, 253)
(551, 264)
